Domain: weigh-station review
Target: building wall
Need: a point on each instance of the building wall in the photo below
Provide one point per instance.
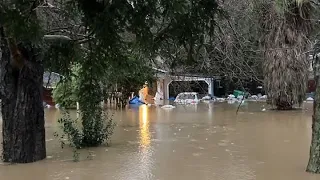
(311, 86)
(47, 96)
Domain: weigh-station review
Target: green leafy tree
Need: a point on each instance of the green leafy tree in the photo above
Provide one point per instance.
(66, 91)
(92, 33)
(129, 77)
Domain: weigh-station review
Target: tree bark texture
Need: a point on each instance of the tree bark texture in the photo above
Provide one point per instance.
(22, 109)
(314, 159)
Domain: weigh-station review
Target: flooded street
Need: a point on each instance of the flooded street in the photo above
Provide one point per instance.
(203, 142)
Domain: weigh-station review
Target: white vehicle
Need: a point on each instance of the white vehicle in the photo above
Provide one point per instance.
(187, 98)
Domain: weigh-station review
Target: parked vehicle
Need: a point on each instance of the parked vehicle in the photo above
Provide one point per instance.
(187, 98)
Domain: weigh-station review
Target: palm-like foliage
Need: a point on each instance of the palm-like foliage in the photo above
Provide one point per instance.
(286, 26)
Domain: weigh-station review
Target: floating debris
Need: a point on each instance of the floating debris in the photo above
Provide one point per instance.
(231, 96)
(310, 99)
(264, 97)
(222, 144)
(224, 140)
(196, 154)
(57, 106)
(220, 99)
(240, 97)
(168, 107)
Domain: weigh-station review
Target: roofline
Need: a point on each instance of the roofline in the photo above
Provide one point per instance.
(161, 70)
(195, 75)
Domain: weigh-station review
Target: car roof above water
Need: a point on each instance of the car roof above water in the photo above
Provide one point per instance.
(193, 93)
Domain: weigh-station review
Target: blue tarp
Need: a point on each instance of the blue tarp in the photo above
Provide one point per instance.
(135, 100)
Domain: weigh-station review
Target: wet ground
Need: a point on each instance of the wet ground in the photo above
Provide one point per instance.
(203, 142)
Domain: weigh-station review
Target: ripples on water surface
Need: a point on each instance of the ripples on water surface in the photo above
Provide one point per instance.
(204, 142)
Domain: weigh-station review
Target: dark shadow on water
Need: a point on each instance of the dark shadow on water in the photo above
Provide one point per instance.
(298, 109)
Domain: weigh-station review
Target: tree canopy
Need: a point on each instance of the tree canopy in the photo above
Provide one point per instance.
(101, 38)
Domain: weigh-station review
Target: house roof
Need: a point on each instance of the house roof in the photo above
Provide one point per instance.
(159, 65)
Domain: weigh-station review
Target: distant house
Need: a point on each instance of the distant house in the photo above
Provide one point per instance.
(166, 79)
(164, 85)
(50, 80)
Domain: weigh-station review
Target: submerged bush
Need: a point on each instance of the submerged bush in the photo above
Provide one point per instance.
(79, 137)
(101, 131)
(95, 126)
(64, 94)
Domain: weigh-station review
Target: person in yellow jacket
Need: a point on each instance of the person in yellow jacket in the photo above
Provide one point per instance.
(143, 93)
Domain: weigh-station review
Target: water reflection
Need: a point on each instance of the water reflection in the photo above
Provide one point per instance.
(146, 152)
(210, 141)
(51, 116)
(210, 109)
(144, 126)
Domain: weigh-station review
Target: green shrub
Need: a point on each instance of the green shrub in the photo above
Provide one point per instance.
(64, 94)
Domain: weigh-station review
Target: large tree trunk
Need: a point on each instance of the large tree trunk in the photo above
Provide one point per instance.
(314, 159)
(22, 109)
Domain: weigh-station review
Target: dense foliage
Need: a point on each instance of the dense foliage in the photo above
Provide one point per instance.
(66, 92)
(286, 27)
(111, 42)
(123, 35)
(114, 43)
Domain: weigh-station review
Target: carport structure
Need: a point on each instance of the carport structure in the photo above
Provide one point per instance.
(164, 79)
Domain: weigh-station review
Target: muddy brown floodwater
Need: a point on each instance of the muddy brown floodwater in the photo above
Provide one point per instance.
(203, 142)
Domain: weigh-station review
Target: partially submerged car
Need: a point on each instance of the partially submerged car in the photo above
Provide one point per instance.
(187, 98)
